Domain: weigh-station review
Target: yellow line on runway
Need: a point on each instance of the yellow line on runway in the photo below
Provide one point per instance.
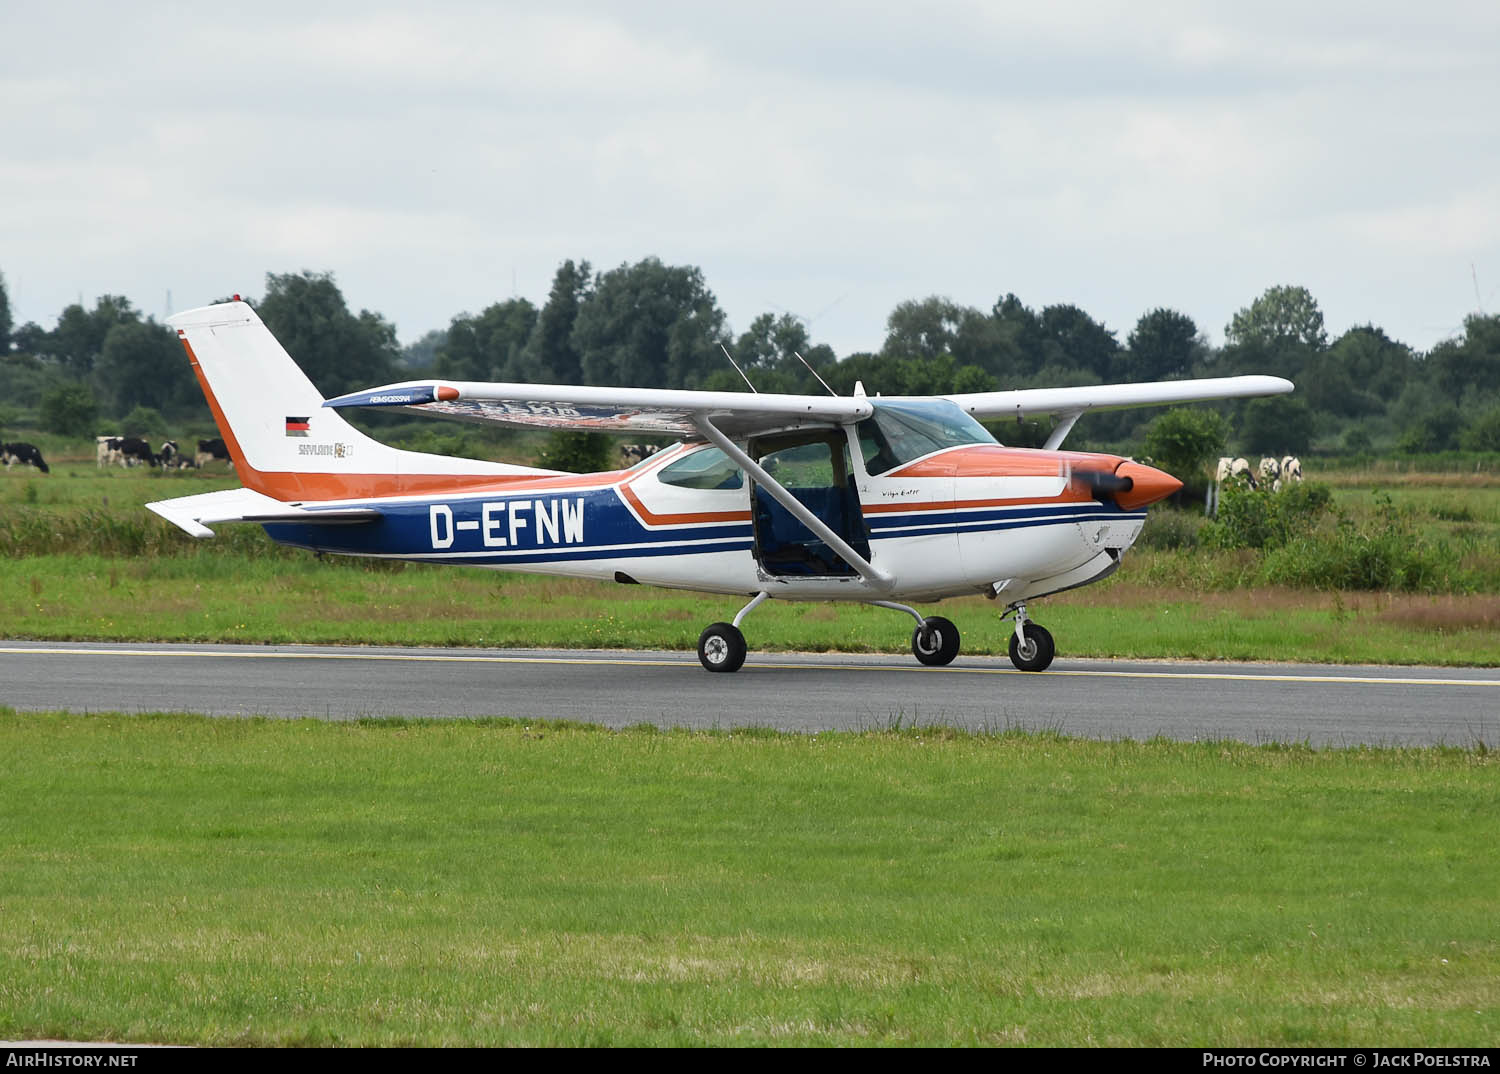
(1348, 680)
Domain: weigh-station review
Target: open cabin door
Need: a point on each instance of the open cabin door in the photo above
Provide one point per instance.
(814, 466)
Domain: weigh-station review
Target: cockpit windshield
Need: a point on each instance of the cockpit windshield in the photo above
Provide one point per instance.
(898, 433)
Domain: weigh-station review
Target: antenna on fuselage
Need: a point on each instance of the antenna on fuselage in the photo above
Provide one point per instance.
(814, 372)
(737, 368)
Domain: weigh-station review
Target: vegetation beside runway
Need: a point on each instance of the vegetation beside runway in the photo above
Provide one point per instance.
(224, 598)
(82, 560)
(179, 879)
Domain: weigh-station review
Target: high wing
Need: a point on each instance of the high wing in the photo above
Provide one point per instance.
(1068, 404)
(1025, 401)
(615, 410)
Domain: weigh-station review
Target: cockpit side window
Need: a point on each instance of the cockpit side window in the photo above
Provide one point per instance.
(898, 433)
(709, 468)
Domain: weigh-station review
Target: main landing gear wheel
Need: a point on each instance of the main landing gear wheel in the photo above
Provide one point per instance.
(1037, 652)
(721, 647)
(935, 642)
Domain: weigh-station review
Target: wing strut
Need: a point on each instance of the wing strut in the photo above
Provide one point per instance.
(867, 570)
(1068, 419)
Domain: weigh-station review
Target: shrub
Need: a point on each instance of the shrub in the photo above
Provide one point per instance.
(144, 421)
(1168, 529)
(1391, 558)
(578, 453)
(1185, 442)
(1260, 518)
(70, 410)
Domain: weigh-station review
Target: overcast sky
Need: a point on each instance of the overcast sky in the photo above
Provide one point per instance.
(825, 159)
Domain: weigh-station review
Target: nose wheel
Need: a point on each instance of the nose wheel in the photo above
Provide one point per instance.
(1031, 646)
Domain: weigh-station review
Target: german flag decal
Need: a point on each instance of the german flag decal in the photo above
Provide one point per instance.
(296, 426)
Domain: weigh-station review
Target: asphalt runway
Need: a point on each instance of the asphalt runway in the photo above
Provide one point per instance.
(1318, 704)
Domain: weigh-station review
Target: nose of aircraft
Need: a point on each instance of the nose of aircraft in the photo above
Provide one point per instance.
(1147, 485)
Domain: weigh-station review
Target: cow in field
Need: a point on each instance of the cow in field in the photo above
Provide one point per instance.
(125, 450)
(209, 450)
(1237, 470)
(172, 458)
(1270, 473)
(25, 454)
(634, 453)
(1291, 469)
(137, 452)
(107, 450)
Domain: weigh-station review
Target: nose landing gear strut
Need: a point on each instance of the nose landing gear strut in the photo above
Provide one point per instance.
(1031, 646)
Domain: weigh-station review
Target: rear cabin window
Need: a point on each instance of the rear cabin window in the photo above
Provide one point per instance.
(706, 469)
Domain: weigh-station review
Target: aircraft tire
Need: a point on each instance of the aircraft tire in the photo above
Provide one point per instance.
(1042, 649)
(940, 644)
(721, 647)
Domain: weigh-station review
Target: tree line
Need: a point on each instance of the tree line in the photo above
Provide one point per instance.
(650, 324)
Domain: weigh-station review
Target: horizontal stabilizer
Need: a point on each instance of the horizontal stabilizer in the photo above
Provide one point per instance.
(190, 513)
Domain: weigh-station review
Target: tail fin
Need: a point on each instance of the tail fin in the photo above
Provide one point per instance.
(284, 443)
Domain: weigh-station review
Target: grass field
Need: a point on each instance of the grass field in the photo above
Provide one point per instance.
(187, 880)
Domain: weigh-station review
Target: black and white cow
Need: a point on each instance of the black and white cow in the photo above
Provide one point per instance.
(132, 450)
(25, 454)
(634, 453)
(209, 450)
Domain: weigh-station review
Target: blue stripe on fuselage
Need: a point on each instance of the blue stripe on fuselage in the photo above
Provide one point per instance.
(531, 527)
(596, 524)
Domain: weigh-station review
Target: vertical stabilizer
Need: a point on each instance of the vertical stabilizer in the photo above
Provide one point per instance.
(283, 441)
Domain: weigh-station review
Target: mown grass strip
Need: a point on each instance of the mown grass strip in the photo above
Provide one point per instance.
(180, 879)
(232, 599)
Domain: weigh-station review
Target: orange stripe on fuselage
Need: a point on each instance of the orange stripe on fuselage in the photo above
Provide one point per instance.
(652, 519)
(1068, 495)
(992, 460)
(291, 486)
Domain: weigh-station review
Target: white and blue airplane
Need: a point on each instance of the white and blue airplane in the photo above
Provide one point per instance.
(784, 497)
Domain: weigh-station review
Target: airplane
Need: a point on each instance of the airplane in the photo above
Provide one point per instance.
(888, 501)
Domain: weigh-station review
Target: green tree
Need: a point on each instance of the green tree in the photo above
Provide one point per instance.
(78, 339)
(1163, 344)
(1072, 338)
(1278, 333)
(649, 325)
(1484, 433)
(69, 409)
(1279, 425)
(144, 421)
(1459, 366)
(768, 351)
(1021, 331)
(550, 352)
(142, 364)
(1435, 429)
(339, 352)
(490, 346)
(1281, 316)
(31, 338)
(577, 452)
(421, 354)
(1376, 366)
(923, 329)
(6, 324)
(1185, 442)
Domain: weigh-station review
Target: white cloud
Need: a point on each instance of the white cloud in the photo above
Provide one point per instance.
(806, 155)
